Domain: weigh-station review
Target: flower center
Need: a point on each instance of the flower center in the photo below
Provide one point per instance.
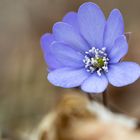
(96, 60)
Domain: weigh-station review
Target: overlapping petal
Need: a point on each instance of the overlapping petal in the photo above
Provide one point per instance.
(71, 18)
(119, 49)
(67, 78)
(114, 28)
(46, 41)
(124, 73)
(95, 83)
(66, 33)
(92, 22)
(66, 55)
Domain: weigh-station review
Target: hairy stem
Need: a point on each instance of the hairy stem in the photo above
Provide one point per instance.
(90, 97)
(104, 95)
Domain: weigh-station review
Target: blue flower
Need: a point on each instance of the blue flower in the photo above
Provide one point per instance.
(85, 50)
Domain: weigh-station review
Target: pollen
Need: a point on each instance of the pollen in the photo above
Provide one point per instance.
(96, 60)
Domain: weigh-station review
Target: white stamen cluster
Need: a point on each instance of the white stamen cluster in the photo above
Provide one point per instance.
(96, 60)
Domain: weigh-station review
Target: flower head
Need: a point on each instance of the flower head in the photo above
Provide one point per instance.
(85, 50)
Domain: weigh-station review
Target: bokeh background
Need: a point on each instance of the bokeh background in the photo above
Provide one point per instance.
(25, 94)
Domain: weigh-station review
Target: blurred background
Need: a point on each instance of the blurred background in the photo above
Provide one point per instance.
(25, 94)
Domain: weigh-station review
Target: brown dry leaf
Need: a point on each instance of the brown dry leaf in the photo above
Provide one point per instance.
(76, 118)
